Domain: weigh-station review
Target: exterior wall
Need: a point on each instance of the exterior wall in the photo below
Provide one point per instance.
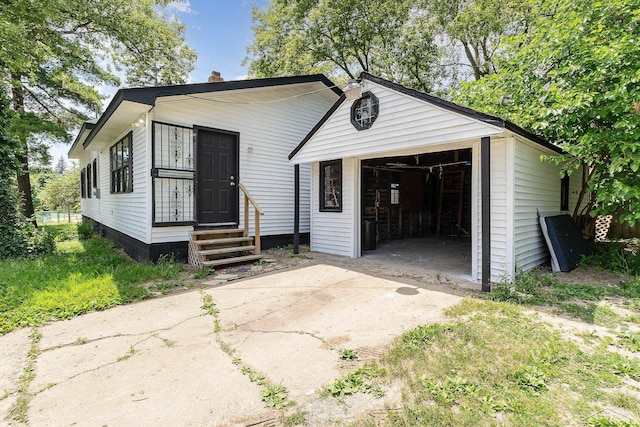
(128, 212)
(536, 189)
(501, 212)
(272, 130)
(404, 122)
(336, 232)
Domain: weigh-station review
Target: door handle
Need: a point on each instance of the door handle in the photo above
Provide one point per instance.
(232, 183)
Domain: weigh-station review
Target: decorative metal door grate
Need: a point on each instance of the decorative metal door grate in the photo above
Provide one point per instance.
(173, 174)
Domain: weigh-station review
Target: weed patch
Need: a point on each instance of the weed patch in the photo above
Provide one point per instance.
(359, 381)
(535, 288)
(492, 361)
(349, 354)
(275, 396)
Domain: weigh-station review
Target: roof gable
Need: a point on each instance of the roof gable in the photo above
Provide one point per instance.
(461, 112)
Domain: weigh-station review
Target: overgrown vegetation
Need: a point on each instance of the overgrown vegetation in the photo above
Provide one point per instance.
(362, 380)
(492, 364)
(77, 278)
(583, 301)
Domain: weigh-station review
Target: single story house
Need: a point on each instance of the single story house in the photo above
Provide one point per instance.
(408, 161)
(164, 170)
(163, 162)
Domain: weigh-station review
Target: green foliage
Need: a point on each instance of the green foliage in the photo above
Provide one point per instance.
(11, 243)
(573, 79)
(296, 419)
(349, 354)
(609, 422)
(86, 229)
(62, 191)
(77, 278)
(358, 381)
(274, 396)
(491, 362)
(342, 38)
(613, 256)
(57, 53)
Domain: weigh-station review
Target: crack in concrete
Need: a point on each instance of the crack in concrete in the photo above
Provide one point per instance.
(311, 334)
(89, 341)
(151, 334)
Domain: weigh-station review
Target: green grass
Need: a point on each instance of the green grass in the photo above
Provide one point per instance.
(576, 300)
(491, 364)
(79, 277)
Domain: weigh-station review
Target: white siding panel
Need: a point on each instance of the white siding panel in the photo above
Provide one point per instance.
(403, 122)
(90, 207)
(334, 232)
(537, 189)
(272, 130)
(499, 203)
(127, 213)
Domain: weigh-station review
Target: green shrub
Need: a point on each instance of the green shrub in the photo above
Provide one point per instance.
(86, 229)
(37, 241)
(613, 256)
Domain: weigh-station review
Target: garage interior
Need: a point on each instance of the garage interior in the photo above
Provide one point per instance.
(416, 210)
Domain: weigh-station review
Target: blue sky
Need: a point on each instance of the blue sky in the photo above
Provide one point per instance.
(218, 30)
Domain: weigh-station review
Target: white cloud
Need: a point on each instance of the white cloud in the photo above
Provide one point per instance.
(242, 77)
(181, 6)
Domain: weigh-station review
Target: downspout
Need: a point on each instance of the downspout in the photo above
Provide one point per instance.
(296, 214)
(485, 180)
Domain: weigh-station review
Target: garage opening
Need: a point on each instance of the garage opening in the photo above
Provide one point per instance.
(416, 210)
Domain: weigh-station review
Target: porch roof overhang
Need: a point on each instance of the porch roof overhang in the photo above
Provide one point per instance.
(490, 125)
(129, 104)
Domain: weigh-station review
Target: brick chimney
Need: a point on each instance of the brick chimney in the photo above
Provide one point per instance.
(215, 77)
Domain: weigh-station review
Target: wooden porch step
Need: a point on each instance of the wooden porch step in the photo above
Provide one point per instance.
(233, 260)
(226, 250)
(216, 232)
(223, 241)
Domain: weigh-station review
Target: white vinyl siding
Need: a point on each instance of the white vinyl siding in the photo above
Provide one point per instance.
(536, 189)
(500, 220)
(335, 232)
(124, 212)
(404, 123)
(272, 130)
(90, 207)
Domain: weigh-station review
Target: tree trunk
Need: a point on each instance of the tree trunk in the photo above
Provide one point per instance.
(23, 178)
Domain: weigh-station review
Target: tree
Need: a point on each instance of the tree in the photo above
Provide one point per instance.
(478, 27)
(574, 79)
(417, 43)
(9, 221)
(342, 38)
(61, 166)
(54, 53)
(61, 191)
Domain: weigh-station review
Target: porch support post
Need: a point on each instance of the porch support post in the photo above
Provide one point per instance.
(296, 215)
(485, 179)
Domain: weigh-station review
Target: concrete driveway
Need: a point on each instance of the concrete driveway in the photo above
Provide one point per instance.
(164, 361)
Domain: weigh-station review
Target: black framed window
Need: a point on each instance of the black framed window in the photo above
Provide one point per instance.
(331, 186)
(364, 111)
(83, 183)
(395, 193)
(564, 193)
(89, 181)
(121, 165)
(95, 173)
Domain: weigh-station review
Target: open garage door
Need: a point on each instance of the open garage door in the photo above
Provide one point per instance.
(417, 209)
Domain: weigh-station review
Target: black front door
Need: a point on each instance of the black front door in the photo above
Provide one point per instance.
(217, 170)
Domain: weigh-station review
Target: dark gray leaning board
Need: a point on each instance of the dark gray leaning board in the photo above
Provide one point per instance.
(565, 242)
